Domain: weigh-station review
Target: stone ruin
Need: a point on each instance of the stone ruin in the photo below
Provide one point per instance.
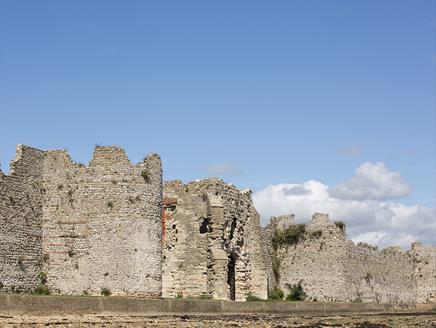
(211, 244)
(79, 229)
(332, 268)
(114, 226)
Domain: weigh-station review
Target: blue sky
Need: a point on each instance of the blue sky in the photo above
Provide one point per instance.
(257, 92)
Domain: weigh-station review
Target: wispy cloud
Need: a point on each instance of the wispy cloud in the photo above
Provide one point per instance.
(354, 151)
(224, 169)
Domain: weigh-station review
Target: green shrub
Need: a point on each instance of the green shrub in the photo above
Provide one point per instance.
(296, 292)
(253, 298)
(341, 225)
(145, 174)
(42, 276)
(205, 297)
(289, 236)
(42, 290)
(315, 234)
(105, 292)
(276, 294)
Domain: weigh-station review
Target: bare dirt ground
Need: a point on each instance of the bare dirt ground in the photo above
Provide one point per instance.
(224, 321)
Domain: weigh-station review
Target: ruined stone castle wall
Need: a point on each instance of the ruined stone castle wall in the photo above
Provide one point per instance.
(318, 261)
(384, 276)
(101, 224)
(210, 227)
(21, 221)
(424, 260)
(83, 228)
(271, 260)
(332, 268)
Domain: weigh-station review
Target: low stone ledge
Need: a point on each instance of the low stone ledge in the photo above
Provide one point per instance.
(11, 304)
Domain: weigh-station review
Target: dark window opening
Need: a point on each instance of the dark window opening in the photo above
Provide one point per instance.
(232, 228)
(205, 226)
(231, 275)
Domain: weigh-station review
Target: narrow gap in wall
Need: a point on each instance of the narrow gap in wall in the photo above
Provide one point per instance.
(231, 275)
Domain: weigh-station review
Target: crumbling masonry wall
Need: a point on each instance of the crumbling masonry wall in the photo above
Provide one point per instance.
(382, 276)
(318, 260)
(102, 224)
(424, 260)
(21, 221)
(97, 226)
(333, 268)
(212, 244)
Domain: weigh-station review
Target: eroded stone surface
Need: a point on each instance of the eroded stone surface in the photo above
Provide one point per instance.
(85, 227)
(21, 194)
(333, 268)
(212, 244)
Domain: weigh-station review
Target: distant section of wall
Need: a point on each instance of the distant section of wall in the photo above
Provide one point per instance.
(212, 244)
(424, 259)
(318, 261)
(102, 226)
(21, 221)
(332, 268)
(385, 276)
(272, 261)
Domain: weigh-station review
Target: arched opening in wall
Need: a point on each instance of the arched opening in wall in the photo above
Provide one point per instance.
(205, 226)
(231, 276)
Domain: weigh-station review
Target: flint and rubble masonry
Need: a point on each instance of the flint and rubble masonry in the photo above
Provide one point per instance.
(85, 227)
(212, 245)
(79, 229)
(333, 268)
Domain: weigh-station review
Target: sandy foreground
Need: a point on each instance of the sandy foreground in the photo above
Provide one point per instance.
(223, 321)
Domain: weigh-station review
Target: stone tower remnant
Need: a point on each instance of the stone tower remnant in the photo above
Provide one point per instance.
(212, 245)
(80, 229)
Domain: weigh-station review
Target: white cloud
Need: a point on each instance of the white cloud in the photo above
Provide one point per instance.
(372, 181)
(379, 222)
(224, 168)
(354, 151)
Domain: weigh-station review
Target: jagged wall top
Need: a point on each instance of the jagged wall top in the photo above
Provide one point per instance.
(106, 156)
(173, 187)
(25, 158)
